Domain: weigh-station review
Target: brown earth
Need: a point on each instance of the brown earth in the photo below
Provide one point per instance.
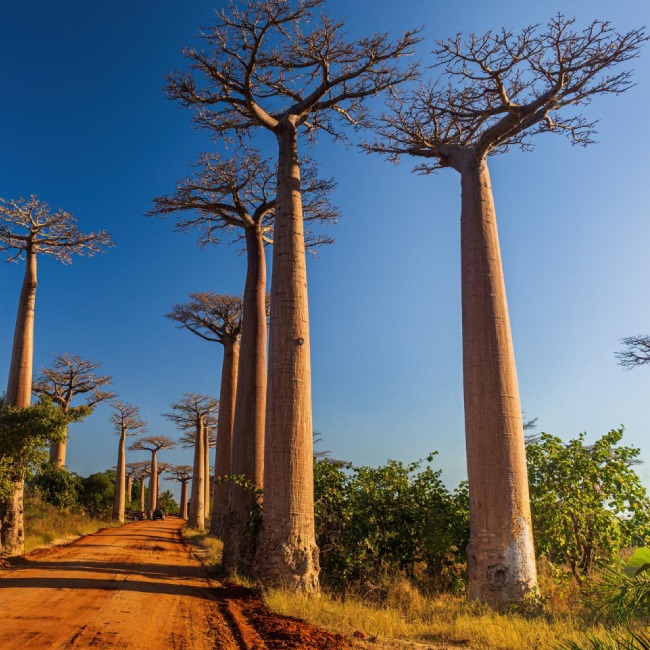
(138, 586)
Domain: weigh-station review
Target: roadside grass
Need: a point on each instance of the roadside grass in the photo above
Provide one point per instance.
(209, 548)
(45, 523)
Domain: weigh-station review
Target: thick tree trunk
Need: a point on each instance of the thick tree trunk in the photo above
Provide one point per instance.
(287, 554)
(221, 491)
(19, 394)
(119, 499)
(183, 506)
(197, 506)
(58, 451)
(129, 488)
(250, 416)
(206, 471)
(501, 558)
(152, 501)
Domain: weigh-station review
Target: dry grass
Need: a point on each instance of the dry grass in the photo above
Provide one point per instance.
(407, 615)
(209, 548)
(45, 523)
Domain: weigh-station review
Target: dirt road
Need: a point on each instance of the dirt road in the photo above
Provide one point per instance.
(138, 586)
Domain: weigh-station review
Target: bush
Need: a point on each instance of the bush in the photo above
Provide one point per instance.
(57, 485)
(97, 492)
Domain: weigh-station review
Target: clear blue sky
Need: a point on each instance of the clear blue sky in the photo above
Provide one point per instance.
(84, 124)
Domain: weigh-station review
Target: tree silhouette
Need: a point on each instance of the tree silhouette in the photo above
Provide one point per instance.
(152, 444)
(29, 228)
(181, 474)
(636, 352)
(269, 64)
(495, 92)
(68, 377)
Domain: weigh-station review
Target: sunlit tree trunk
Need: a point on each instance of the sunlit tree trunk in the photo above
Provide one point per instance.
(501, 559)
(120, 480)
(287, 553)
(197, 506)
(183, 505)
(142, 495)
(58, 451)
(152, 501)
(250, 416)
(19, 392)
(221, 491)
(129, 488)
(206, 471)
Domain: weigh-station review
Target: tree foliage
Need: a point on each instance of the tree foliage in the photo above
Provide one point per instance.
(24, 435)
(392, 518)
(587, 501)
(57, 485)
(97, 492)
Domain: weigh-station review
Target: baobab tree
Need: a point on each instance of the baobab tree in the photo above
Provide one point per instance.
(196, 411)
(139, 471)
(29, 228)
(270, 65)
(218, 318)
(181, 474)
(126, 421)
(495, 92)
(636, 351)
(69, 377)
(237, 196)
(152, 444)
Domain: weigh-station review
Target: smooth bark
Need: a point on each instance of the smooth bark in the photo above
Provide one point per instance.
(206, 471)
(119, 499)
(248, 431)
(58, 451)
(19, 391)
(287, 554)
(501, 559)
(142, 495)
(221, 491)
(183, 505)
(129, 488)
(152, 501)
(197, 506)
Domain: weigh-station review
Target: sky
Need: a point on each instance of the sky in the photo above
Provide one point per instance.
(86, 126)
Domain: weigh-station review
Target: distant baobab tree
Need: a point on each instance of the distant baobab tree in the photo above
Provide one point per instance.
(181, 474)
(272, 65)
(495, 92)
(126, 421)
(218, 318)
(69, 377)
(194, 411)
(139, 471)
(636, 351)
(152, 444)
(29, 228)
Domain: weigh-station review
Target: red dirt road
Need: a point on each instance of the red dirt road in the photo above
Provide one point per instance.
(138, 586)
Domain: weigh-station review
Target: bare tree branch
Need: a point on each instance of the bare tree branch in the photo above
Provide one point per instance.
(636, 352)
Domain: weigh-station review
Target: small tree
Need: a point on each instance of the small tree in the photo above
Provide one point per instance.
(218, 318)
(496, 91)
(270, 65)
(126, 421)
(153, 444)
(587, 501)
(196, 411)
(181, 474)
(68, 377)
(29, 228)
(636, 351)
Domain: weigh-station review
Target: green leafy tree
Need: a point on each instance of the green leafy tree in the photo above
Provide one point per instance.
(167, 502)
(97, 492)
(587, 501)
(57, 485)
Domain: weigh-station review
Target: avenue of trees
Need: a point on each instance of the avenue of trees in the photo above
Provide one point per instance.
(286, 68)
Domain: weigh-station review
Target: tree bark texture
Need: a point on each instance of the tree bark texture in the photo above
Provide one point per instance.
(58, 451)
(501, 558)
(129, 488)
(287, 554)
(152, 501)
(206, 471)
(119, 500)
(248, 431)
(197, 506)
(142, 495)
(183, 506)
(221, 491)
(19, 394)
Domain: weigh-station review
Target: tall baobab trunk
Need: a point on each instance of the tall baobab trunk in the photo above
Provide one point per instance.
(501, 558)
(58, 451)
(206, 471)
(221, 491)
(119, 499)
(19, 394)
(197, 505)
(287, 553)
(129, 488)
(142, 495)
(152, 501)
(183, 506)
(248, 431)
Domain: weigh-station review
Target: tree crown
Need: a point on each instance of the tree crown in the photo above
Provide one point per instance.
(126, 419)
(152, 444)
(193, 408)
